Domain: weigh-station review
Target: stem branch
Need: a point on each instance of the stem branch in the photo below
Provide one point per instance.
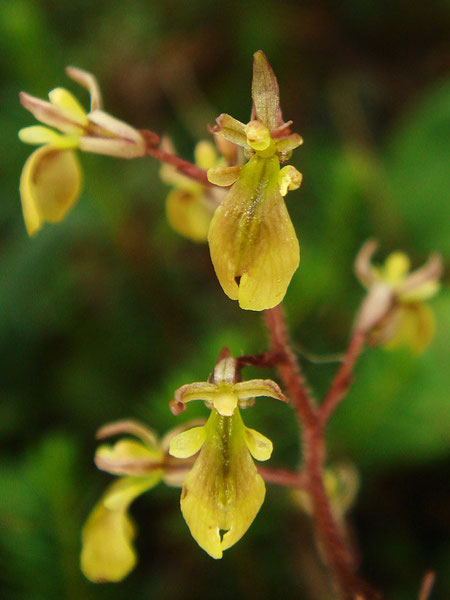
(187, 168)
(338, 555)
(343, 379)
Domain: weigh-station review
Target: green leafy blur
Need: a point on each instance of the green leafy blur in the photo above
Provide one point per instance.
(105, 315)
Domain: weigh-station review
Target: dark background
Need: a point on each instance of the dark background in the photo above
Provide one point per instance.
(105, 315)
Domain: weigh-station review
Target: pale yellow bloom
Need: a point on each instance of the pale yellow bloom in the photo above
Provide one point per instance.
(51, 178)
(223, 492)
(107, 552)
(253, 245)
(191, 205)
(394, 312)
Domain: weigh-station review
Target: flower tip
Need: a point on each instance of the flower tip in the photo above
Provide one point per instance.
(25, 99)
(177, 407)
(362, 266)
(260, 56)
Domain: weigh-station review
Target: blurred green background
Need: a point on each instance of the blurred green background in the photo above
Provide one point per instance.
(104, 316)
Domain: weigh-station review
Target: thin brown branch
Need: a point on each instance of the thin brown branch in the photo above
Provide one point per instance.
(189, 169)
(265, 360)
(283, 477)
(343, 379)
(338, 555)
(288, 368)
(184, 166)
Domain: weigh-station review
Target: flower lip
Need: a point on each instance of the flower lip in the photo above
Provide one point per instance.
(219, 504)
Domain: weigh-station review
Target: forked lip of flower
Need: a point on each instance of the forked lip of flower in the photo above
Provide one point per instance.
(252, 241)
(219, 504)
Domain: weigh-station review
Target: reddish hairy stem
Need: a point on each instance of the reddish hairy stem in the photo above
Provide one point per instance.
(337, 555)
(343, 379)
(283, 477)
(184, 166)
(288, 367)
(189, 169)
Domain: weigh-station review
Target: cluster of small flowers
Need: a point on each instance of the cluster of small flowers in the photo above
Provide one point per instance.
(255, 252)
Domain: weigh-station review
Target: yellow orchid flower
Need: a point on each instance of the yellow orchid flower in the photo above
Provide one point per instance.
(223, 392)
(253, 245)
(394, 311)
(223, 492)
(51, 178)
(191, 205)
(107, 536)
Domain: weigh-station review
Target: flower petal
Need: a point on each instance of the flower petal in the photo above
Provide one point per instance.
(255, 388)
(223, 491)
(289, 179)
(189, 214)
(422, 283)
(205, 154)
(131, 427)
(414, 327)
(49, 185)
(123, 491)
(260, 447)
(38, 134)
(107, 551)
(289, 143)
(117, 128)
(187, 443)
(225, 401)
(119, 148)
(258, 136)
(67, 102)
(396, 267)
(231, 129)
(195, 391)
(88, 81)
(50, 114)
(224, 176)
(128, 457)
(253, 245)
(265, 91)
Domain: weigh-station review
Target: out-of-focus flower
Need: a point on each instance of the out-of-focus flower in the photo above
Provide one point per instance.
(107, 537)
(223, 492)
(253, 245)
(51, 178)
(341, 483)
(394, 312)
(190, 205)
